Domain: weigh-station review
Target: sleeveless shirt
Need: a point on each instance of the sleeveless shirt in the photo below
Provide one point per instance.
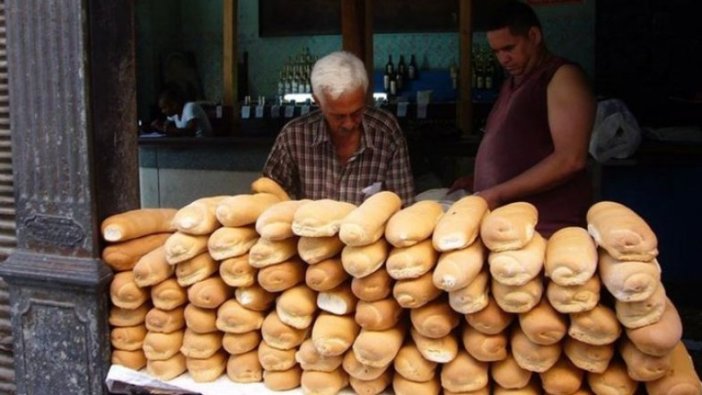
(517, 137)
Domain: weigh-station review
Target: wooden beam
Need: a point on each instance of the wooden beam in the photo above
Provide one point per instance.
(465, 33)
(357, 32)
(229, 57)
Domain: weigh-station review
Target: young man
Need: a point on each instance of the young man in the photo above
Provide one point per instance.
(536, 139)
(182, 118)
(346, 150)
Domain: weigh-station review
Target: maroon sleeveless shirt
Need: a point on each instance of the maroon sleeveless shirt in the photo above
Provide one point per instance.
(517, 136)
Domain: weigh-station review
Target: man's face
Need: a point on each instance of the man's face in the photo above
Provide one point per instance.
(344, 114)
(168, 107)
(515, 53)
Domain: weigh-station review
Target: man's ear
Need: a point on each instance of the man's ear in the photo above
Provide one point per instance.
(535, 35)
(316, 100)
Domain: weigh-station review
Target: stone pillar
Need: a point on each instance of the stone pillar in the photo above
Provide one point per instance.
(73, 120)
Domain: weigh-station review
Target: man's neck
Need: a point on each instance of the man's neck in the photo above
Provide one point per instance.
(345, 145)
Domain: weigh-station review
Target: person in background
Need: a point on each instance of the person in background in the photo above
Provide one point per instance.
(345, 150)
(535, 146)
(182, 118)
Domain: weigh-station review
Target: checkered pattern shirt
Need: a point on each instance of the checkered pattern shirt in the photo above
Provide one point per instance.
(303, 160)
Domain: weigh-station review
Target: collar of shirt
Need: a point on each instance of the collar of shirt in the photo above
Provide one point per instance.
(322, 135)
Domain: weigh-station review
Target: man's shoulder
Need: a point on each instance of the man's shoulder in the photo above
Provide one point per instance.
(382, 122)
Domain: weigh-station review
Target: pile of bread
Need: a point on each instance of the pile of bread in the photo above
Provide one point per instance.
(325, 294)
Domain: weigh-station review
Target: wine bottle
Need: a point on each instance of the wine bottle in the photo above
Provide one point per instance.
(389, 66)
(412, 69)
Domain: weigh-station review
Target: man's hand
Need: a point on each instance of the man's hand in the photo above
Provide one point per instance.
(465, 182)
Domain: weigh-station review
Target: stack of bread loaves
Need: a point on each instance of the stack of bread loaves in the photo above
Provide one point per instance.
(324, 294)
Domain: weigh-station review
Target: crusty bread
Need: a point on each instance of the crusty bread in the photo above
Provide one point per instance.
(325, 275)
(473, 297)
(137, 223)
(629, 281)
(254, 297)
(491, 320)
(509, 227)
(460, 225)
(152, 268)
(588, 357)
(162, 346)
(244, 368)
(366, 223)
(485, 348)
(209, 293)
(281, 276)
(532, 388)
(198, 217)
(410, 364)
(128, 317)
(182, 246)
(378, 348)
(543, 325)
(230, 242)
(134, 360)
(128, 338)
(441, 350)
(416, 292)
(532, 356)
(646, 312)
(458, 268)
(464, 373)
(124, 255)
(275, 223)
(200, 320)
(660, 338)
(320, 218)
(166, 369)
(563, 378)
(598, 326)
(379, 315)
(575, 298)
(323, 383)
(641, 366)
(622, 232)
(125, 293)
(269, 252)
(275, 359)
(339, 301)
(297, 306)
(269, 185)
(375, 286)
(508, 374)
(435, 319)
(237, 272)
(371, 387)
(195, 269)
(517, 267)
(168, 295)
(282, 380)
(571, 256)
(280, 335)
(310, 359)
(243, 209)
(614, 380)
(413, 224)
(412, 261)
(232, 317)
(332, 335)
(241, 343)
(680, 379)
(362, 261)
(518, 298)
(316, 249)
(158, 320)
(200, 345)
(402, 386)
(359, 370)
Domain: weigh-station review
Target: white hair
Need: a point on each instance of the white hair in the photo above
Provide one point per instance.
(338, 73)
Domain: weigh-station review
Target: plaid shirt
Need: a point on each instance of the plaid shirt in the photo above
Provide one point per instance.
(303, 160)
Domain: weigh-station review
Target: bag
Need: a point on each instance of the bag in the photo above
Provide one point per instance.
(616, 133)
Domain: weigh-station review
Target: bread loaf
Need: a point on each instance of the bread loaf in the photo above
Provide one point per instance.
(297, 306)
(125, 293)
(339, 301)
(375, 286)
(310, 359)
(532, 356)
(232, 317)
(472, 298)
(166, 369)
(413, 224)
(410, 364)
(325, 275)
(316, 249)
(128, 338)
(416, 292)
(168, 295)
(379, 315)
(508, 374)
(371, 387)
(681, 378)
(268, 252)
(244, 368)
(200, 345)
(137, 223)
(152, 268)
(518, 298)
(237, 272)
(134, 360)
(575, 298)
(660, 338)
(282, 380)
(209, 293)
(456, 269)
(532, 388)
(588, 357)
(320, 218)
(491, 320)
(231, 242)
(158, 320)
(359, 370)
(435, 319)
(195, 269)
(323, 383)
(460, 225)
(402, 386)
(543, 325)
(518, 267)
(281, 276)
(244, 209)
(441, 350)
(128, 317)
(464, 373)
(509, 227)
(275, 223)
(198, 217)
(378, 348)
(332, 335)
(241, 343)
(614, 380)
(274, 359)
(124, 255)
(484, 348)
(571, 257)
(641, 366)
(646, 312)
(162, 346)
(366, 223)
(629, 281)
(254, 297)
(182, 246)
(411, 262)
(362, 261)
(269, 185)
(200, 320)
(280, 335)
(621, 232)
(597, 326)
(563, 378)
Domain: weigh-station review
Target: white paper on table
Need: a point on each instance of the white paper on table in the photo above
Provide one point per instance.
(245, 112)
(402, 109)
(259, 111)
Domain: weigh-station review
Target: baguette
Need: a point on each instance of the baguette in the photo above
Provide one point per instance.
(622, 232)
(152, 268)
(359, 370)
(571, 257)
(562, 379)
(323, 383)
(598, 326)
(464, 373)
(641, 366)
(378, 348)
(244, 368)
(416, 292)
(411, 262)
(182, 246)
(646, 312)
(232, 317)
(588, 357)
(484, 348)
(629, 281)
(167, 369)
(280, 335)
(332, 335)
(614, 380)
(366, 223)
(274, 359)
(316, 249)
(320, 218)
(371, 387)
(162, 346)
(243, 209)
(575, 298)
(208, 369)
(124, 255)
(209, 293)
(441, 350)
(325, 275)
(518, 267)
(275, 223)
(375, 286)
(297, 306)
(472, 298)
(532, 388)
(491, 320)
(508, 374)
(435, 319)
(125, 293)
(201, 345)
(237, 272)
(128, 338)
(134, 360)
(339, 301)
(460, 225)
(410, 364)
(254, 297)
(231, 242)
(402, 386)
(518, 298)
(543, 325)
(137, 223)
(267, 252)
(200, 320)
(509, 227)
(681, 378)
(269, 185)
(531, 356)
(198, 217)
(241, 343)
(196, 269)
(128, 317)
(310, 359)
(158, 320)
(282, 380)
(282, 276)
(457, 269)
(362, 261)
(413, 224)
(379, 315)
(658, 339)
(168, 295)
